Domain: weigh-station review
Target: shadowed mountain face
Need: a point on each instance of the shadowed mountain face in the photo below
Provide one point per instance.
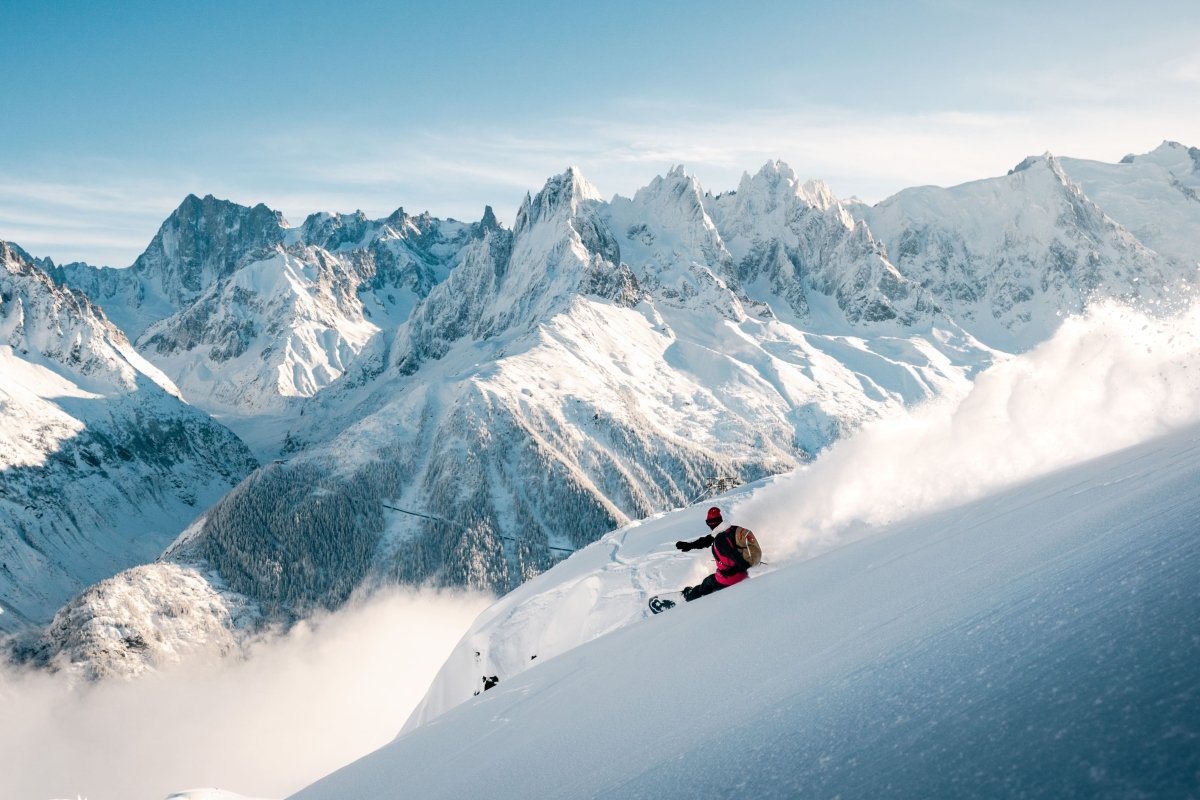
(102, 463)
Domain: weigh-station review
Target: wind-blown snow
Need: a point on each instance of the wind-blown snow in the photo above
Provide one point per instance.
(1106, 381)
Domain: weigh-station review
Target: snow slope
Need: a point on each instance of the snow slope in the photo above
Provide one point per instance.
(953, 606)
(1040, 642)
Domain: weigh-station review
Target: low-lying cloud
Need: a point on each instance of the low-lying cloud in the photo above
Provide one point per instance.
(299, 706)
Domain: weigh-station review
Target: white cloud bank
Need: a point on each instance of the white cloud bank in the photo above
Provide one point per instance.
(300, 706)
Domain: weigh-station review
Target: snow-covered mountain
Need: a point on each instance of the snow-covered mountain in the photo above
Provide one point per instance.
(1007, 257)
(248, 315)
(200, 243)
(799, 242)
(1106, 381)
(101, 462)
(957, 601)
(144, 618)
(1155, 196)
(524, 391)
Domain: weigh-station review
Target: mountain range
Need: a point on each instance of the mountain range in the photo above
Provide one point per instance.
(461, 403)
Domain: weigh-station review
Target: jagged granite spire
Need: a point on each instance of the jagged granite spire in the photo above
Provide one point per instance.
(205, 239)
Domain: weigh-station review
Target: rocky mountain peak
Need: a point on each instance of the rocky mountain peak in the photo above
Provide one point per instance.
(202, 214)
(1046, 161)
(776, 186)
(1044, 171)
(1027, 162)
(775, 173)
(1179, 159)
(489, 221)
(562, 195)
(676, 189)
(10, 254)
(204, 240)
(335, 231)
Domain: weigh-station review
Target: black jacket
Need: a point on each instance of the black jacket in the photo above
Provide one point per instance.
(724, 548)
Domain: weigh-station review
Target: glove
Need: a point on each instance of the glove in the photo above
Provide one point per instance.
(684, 546)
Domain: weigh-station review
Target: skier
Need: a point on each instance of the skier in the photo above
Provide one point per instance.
(735, 549)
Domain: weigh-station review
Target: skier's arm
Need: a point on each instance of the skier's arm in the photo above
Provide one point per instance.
(703, 541)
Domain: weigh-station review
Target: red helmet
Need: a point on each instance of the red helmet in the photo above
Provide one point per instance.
(714, 517)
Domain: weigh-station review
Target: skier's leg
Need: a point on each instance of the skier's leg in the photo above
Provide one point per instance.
(706, 586)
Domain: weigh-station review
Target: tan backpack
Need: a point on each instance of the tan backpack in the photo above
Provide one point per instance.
(746, 542)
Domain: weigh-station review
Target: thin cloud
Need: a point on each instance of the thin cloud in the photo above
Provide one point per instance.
(456, 172)
(1184, 70)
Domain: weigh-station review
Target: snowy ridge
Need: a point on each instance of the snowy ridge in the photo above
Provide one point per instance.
(562, 381)
(1006, 257)
(803, 244)
(249, 316)
(218, 350)
(102, 463)
(1156, 197)
(202, 241)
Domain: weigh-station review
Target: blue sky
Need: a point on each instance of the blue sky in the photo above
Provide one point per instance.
(114, 111)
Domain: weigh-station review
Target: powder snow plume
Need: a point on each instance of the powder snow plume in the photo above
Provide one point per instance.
(1108, 379)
